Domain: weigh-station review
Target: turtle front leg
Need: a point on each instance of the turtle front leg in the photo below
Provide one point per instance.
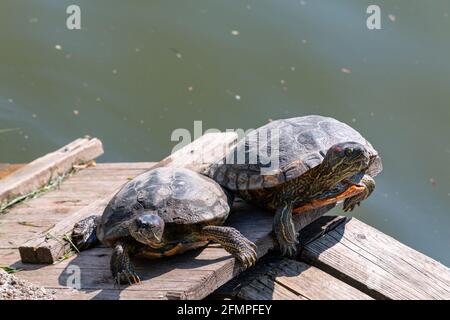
(121, 266)
(232, 241)
(369, 183)
(284, 229)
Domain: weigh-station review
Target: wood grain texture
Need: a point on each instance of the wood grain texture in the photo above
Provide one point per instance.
(376, 263)
(50, 246)
(6, 169)
(290, 279)
(39, 172)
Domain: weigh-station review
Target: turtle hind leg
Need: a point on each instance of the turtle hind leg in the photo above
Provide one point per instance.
(369, 184)
(121, 267)
(84, 235)
(284, 229)
(233, 242)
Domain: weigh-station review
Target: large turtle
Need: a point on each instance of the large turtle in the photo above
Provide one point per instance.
(162, 212)
(311, 161)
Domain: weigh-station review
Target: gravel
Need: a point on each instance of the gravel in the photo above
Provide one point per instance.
(12, 288)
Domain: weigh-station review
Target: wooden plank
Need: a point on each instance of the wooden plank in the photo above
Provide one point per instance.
(40, 171)
(301, 280)
(6, 169)
(376, 263)
(49, 247)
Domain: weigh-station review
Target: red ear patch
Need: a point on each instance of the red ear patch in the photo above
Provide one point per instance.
(338, 149)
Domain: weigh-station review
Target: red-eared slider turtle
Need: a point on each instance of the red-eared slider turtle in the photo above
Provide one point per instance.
(162, 212)
(312, 160)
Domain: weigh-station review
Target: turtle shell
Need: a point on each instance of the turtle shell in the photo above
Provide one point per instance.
(283, 150)
(179, 196)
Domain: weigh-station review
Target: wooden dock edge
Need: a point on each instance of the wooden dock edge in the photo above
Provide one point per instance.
(39, 172)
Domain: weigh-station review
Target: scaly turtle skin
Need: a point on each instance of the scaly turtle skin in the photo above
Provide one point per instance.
(162, 212)
(289, 163)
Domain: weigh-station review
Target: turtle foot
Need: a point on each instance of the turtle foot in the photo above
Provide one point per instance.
(288, 249)
(233, 242)
(121, 267)
(352, 202)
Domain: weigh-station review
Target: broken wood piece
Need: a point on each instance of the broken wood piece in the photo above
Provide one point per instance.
(6, 169)
(41, 171)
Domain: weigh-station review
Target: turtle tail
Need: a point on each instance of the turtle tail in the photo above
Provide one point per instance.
(84, 235)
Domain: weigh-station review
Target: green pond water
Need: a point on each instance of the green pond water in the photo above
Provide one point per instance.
(140, 69)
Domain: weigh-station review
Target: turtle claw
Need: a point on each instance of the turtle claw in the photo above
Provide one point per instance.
(247, 256)
(288, 249)
(126, 275)
(352, 202)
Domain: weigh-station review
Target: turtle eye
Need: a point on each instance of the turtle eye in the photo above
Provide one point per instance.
(348, 152)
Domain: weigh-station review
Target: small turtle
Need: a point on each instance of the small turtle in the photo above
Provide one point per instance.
(303, 162)
(162, 212)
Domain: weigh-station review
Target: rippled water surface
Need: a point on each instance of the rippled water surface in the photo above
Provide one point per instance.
(140, 69)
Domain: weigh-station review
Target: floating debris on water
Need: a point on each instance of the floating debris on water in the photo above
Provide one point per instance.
(190, 88)
(237, 97)
(235, 32)
(10, 100)
(33, 20)
(346, 70)
(76, 112)
(34, 115)
(292, 68)
(304, 41)
(9, 130)
(114, 71)
(392, 17)
(58, 47)
(432, 182)
(177, 53)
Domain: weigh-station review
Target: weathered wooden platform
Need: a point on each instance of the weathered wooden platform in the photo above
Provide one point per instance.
(340, 258)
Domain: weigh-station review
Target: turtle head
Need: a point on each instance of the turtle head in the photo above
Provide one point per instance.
(344, 160)
(148, 229)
